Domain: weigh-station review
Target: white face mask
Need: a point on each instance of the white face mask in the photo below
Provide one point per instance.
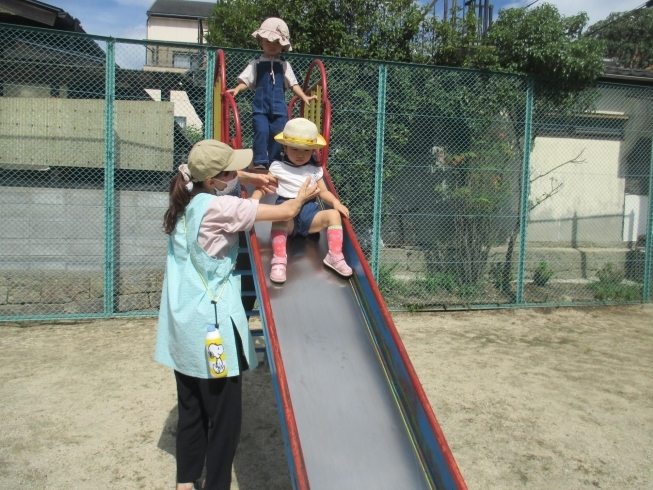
(231, 185)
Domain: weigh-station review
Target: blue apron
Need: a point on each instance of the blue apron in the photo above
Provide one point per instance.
(186, 306)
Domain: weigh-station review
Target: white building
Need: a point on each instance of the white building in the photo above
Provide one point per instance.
(179, 21)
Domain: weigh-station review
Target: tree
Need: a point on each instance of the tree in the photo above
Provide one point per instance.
(362, 29)
(484, 165)
(482, 157)
(628, 37)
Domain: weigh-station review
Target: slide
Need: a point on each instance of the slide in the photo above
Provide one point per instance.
(353, 413)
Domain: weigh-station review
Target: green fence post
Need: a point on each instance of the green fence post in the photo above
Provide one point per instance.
(378, 170)
(208, 100)
(525, 189)
(109, 174)
(648, 256)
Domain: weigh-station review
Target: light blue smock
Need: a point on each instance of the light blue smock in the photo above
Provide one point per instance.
(186, 307)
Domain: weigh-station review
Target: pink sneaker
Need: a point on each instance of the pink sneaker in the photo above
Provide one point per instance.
(338, 264)
(278, 271)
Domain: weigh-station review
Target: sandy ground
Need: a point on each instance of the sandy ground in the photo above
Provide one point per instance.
(528, 399)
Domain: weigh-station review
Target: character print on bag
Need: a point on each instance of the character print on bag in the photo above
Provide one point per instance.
(215, 354)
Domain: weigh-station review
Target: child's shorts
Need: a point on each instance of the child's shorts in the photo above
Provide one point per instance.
(305, 217)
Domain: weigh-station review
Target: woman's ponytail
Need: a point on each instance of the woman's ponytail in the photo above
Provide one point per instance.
(179, 199)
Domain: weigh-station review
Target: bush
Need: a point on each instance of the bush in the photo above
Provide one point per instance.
(439, 280)
(542, 274)
(194, 133)
(498, 279)
(386, 280)
(608, 275)
(610, 287)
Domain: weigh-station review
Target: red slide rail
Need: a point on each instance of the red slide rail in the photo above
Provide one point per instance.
(416, 384)
(320, 114)
(378, 298)
(230, 118)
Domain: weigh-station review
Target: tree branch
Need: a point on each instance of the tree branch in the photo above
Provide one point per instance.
(573, 160)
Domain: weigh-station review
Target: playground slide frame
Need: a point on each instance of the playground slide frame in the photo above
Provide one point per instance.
(432, 446)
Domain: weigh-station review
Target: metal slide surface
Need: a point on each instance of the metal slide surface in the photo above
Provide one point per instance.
(351, 428)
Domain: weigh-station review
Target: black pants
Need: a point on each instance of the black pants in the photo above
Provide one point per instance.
(210, 417)
(209, 428)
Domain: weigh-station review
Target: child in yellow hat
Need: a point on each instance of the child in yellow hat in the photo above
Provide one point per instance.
(299, 138)
(269, 76)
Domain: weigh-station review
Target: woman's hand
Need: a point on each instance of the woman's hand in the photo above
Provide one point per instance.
(341, 209)
(267, 183)
(289, 209)
(309, 190)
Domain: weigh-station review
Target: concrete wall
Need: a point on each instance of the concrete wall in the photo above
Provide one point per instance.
(40, 132)
(63, 229)
(588, 207)
(52, 250)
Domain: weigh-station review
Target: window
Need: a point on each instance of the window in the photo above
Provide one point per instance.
(181, 60)
(181, 121)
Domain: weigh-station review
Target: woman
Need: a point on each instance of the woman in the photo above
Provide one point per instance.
(199, 288)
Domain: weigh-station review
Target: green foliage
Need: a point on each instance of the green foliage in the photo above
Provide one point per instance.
(609, 275)
(498, 277)
(386, 280)
(543, 43)
(542, 274)
(193, 133)
(610, 286)
(481, 159)
(360, 29)
(628, 38)
(438, 281)
(537, 41)
(415, 294)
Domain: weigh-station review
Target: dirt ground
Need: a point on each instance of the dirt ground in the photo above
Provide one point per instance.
(528, 399)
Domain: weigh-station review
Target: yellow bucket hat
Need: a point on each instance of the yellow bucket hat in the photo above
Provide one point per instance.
(301, 133)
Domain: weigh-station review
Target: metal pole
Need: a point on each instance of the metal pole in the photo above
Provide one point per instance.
(648, 256)
(378, 170)
(109, 175)
(208, 96)
(525, 189)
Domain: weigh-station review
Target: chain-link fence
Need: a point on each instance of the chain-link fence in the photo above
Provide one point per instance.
(466, 188)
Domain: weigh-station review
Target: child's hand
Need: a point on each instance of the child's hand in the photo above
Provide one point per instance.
(233, 91)
(308, 98)
(341, 209)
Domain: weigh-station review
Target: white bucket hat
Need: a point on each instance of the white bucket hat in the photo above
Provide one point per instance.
(301, 133)
(274, 29)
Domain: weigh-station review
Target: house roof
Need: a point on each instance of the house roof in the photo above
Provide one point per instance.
(629, 75)
(181, 9)
(37, 14)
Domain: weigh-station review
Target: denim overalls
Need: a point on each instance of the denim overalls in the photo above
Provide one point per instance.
(269, 111)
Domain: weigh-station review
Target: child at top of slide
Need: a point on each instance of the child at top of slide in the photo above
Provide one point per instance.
(269, 76)
(299, 138)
